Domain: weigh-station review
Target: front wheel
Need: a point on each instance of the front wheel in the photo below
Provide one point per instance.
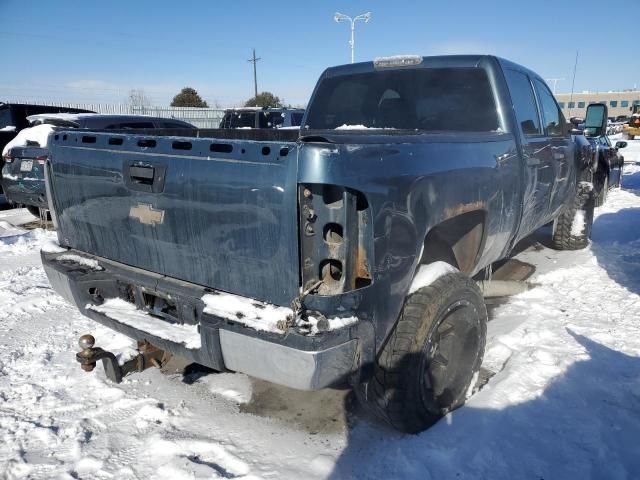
(433, 355)
(602, 190)
(572, 229)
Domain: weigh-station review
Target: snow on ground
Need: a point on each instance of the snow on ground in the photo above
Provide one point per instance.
(563, 404)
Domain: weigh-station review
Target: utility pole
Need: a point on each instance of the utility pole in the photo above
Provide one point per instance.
(254, 60)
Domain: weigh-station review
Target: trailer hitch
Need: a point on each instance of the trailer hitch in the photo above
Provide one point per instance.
(148, 356)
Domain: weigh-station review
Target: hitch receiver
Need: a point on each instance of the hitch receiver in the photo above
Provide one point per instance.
(147, 357)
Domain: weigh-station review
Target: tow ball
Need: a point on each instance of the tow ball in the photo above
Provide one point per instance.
(148, 356)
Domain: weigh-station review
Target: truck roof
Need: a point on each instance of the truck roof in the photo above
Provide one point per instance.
(418, 61)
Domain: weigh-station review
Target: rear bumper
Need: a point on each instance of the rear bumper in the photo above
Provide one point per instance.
(293, 360)
(29, 193)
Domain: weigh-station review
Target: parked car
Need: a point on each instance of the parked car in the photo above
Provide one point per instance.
(13, 118)
(341, 253)
(267, 117)
(23, 171)
(632, 127)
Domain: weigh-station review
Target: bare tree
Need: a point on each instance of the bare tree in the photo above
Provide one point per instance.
(137, 98)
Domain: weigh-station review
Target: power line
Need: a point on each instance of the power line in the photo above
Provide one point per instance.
(254, 60)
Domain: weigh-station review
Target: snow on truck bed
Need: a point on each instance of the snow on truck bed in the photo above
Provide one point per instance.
(563, 403)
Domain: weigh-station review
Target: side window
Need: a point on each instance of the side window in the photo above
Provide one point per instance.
(552, 118)
(273, 119)
(524, 102)
(296, 119)
(172, 125)
(613, 103)
(131, 125)
(561, 104)
(624, 103)
(572, 104)
(5, 118)
(580, 104)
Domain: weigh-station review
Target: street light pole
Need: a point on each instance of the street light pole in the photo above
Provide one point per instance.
(340, 17)
(555, 82)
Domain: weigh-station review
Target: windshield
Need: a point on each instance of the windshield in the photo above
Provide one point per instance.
(432, 99)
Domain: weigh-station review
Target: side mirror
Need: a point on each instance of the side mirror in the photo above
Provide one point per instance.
(621, 144)
(596, 121)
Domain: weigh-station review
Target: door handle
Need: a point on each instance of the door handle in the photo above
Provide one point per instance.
(144, 177)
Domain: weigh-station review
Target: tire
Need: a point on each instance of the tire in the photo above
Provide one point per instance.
(572, 229)
(35, 211)
(431, 357)
(602, 191)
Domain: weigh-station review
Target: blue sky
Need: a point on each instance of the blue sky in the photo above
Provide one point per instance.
(96, 51)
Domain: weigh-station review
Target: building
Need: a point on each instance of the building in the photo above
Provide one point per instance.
(619, 103)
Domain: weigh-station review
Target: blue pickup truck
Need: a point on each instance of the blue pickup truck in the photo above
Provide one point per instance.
(342, 253)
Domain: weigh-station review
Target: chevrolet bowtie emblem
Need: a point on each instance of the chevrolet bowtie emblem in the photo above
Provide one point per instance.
(146, 214)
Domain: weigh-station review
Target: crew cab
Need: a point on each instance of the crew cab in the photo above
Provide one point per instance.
(24, 156)
(342, 253)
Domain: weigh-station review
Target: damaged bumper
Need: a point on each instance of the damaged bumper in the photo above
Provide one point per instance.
(171, 315)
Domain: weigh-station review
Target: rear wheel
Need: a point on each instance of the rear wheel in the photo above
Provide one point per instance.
(433, 355)
(572, 229)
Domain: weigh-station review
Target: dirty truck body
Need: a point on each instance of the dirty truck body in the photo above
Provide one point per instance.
(326, 223)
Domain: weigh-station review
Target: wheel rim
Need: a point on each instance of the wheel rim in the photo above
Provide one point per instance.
(450, 357)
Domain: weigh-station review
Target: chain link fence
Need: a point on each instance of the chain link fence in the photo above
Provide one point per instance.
(200, 117)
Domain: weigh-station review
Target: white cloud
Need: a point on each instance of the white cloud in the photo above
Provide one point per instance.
(92, 85)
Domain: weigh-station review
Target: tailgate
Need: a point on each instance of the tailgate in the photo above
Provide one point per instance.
(216, 212)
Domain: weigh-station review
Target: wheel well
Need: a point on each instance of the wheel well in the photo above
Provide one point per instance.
(457, 241)
(603, 166)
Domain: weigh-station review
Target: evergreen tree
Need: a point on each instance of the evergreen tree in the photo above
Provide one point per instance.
(264, 99)
(188, 97)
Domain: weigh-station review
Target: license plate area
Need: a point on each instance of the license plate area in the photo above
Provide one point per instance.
(26, 165)
(160, 306)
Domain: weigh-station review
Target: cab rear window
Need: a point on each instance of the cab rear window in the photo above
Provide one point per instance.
(430, 99)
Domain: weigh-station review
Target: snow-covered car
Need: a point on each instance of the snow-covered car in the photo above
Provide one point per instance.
(25, 155)
(13, 118)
